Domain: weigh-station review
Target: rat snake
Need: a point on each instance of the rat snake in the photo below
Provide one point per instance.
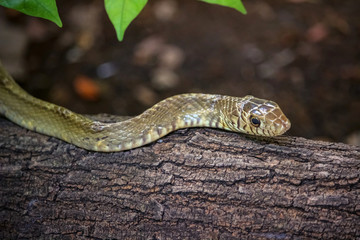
(245, 115)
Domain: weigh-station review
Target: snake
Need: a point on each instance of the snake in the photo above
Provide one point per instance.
(249, 115)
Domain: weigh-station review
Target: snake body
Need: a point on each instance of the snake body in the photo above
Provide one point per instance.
(245, 115)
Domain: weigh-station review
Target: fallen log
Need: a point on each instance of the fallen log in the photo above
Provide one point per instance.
(193, 183)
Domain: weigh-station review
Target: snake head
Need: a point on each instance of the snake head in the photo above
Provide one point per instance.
(258, 117)
(263, 117)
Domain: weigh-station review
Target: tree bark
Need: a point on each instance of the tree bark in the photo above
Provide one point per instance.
(192, 184)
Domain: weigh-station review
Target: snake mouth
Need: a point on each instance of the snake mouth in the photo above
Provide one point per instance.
(284, 126)
(281, 125)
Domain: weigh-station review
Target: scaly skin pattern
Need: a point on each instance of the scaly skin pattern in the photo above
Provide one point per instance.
(244, 115)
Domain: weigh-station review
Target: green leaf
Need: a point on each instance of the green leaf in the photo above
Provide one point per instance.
(122, 12)
(38, 8)
(236, 4)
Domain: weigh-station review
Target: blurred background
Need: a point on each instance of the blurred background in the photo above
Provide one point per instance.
(302, 54)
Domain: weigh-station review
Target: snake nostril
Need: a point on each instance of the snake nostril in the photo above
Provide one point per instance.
(285, 126)
(281, 125)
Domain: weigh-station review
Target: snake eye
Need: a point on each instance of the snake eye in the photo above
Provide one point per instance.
(255, 121)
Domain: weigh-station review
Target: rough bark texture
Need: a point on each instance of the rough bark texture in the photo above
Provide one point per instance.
(196, 183)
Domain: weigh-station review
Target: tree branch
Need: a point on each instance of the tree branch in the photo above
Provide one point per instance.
(195, 183)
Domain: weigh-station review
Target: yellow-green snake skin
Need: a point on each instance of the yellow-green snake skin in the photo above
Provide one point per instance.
(245, 115)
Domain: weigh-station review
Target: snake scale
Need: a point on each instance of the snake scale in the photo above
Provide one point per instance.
(245, 115)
